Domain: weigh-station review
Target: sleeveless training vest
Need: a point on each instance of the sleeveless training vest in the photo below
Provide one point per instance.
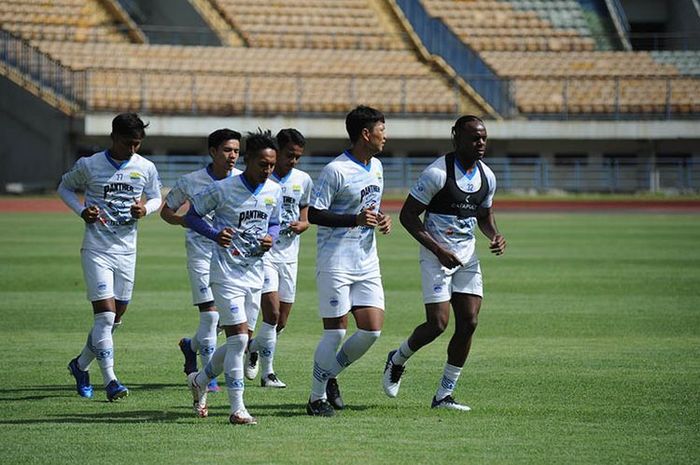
(451, 200)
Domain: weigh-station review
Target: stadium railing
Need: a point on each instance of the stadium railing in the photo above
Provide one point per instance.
(440, 40)
(41, 70)
(529, 174)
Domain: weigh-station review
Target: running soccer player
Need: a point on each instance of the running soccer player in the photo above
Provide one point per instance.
(280, 262)
(247, 215)
(345, 204)
(224, 146)
(114, 182)
(456, 193)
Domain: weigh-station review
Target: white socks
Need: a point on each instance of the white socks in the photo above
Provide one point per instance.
(448, 381)
(354, 348)
(205, 338)
(402, 355)
(233, 369)
(324, 360)
(102, 345)
(265, 343)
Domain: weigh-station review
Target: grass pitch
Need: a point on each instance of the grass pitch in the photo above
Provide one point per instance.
(588, 351)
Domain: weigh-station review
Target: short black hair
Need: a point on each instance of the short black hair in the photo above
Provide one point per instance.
(360, 118)
(220, 136)
(285, 136)
(462, 120)
(256, 142)
(129, 125)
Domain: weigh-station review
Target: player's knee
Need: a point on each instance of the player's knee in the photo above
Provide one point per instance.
(468, 325)
(438, 326)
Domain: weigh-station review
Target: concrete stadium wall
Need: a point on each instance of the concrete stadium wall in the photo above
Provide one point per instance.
(36, 140)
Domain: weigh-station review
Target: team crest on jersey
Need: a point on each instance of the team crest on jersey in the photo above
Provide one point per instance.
(379, 175)
(135, 175)
(296, 188)
(269, 201)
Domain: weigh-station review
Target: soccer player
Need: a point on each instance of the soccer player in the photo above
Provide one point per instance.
(456, 193)
(224, 146)
(280, 262)
(345, 204)
(246, 224)
(114, 182)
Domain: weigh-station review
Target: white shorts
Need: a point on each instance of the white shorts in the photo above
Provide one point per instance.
(108, 275)
(198, 272)
(281, 278)
(236, 304)
(339, 292)
(439, 283)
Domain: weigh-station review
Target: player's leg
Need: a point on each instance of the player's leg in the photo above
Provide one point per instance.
(262, 348)
(266, 340)
(466, 302)
(367, 300)
(273, 303)
(287, 294)
(436, 287)
(334, 305)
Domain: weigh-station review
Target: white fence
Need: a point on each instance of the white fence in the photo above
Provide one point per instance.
(513, 175)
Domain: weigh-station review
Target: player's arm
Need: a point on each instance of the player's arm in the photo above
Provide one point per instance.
(196, 222)
(367, 217)
(487, 225)
(170, 216)
(67, 191)
(302, 224)
(153, 197)
(410, 219)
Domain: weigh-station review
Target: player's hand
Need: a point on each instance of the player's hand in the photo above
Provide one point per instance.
(266, 243)
(90, 214)
(498, 244)
(447, 258)
(138, 210)
(224, 237)
(299, 226)
(384, 223)
(367, 217)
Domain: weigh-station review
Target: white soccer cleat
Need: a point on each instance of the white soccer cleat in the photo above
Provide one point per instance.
(449, 403)
(242, 417)
(391, 380)
(199, 396)
(251, 365)
(272, 381)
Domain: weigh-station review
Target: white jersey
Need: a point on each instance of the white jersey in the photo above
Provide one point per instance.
(185, 188)
(345, 187)
(249, 212)
(114, 187)
(296, 192)
(454, 233)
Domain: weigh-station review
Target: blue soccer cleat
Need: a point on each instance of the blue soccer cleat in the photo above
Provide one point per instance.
(116, 390)
(213, 386)
(190, 355)
(82, 379)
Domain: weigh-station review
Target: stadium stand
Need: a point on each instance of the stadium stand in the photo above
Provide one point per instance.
(336, 54)
(546, 49)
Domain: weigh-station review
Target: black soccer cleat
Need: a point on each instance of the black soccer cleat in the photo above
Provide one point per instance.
(319, 408)
(333, 394)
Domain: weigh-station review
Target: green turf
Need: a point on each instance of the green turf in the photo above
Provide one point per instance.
(588, 351)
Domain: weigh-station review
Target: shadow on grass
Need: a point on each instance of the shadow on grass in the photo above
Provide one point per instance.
(283, 410)
(136, 416)
(54, 391)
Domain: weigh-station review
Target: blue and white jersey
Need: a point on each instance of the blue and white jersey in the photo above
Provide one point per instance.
(296, 193)
(249, 212)
(454, 233)
(346, 187)
(113, 186)
(185, 188)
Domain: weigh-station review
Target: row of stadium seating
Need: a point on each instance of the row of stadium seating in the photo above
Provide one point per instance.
(495, 25)
(335, 54)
